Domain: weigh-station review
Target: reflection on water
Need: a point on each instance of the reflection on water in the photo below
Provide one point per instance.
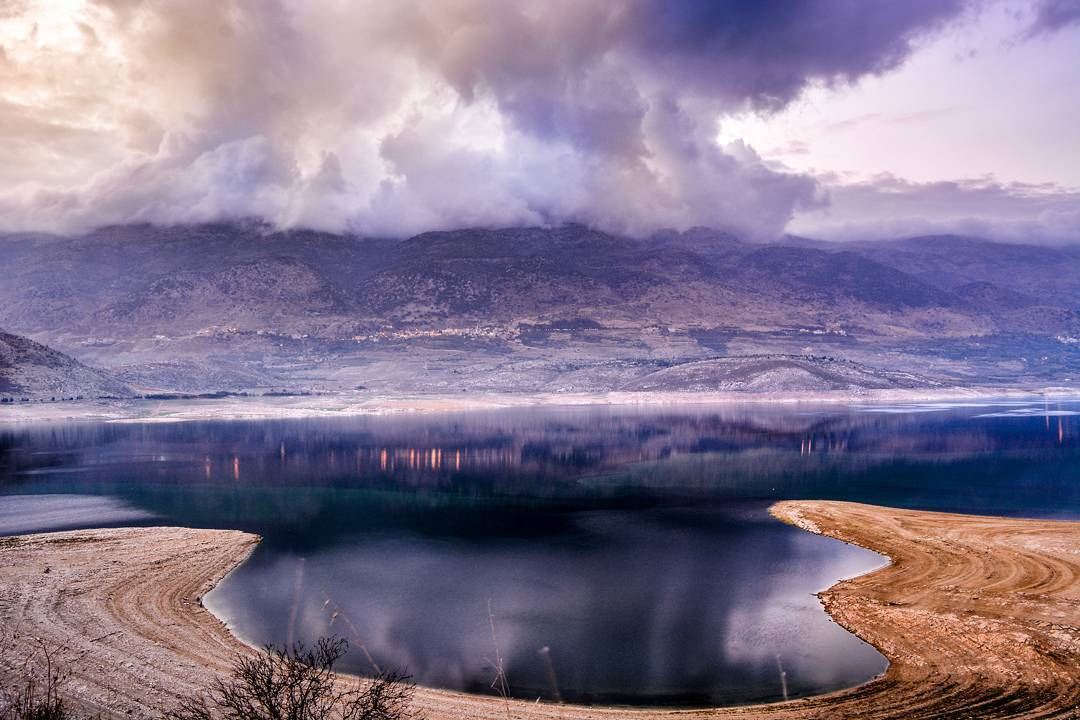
(627, 555)
(677, 605)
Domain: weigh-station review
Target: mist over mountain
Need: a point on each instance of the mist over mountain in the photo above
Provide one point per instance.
(241, 306)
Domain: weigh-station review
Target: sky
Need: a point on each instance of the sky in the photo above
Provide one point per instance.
(838, 119)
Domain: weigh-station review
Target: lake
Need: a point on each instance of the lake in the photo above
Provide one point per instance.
(605, 555)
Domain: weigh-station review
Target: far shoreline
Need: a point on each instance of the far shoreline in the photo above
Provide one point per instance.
(357, 404)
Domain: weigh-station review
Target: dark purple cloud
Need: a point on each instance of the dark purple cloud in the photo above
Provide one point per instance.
(764, 53)
(587, 72)
(1054, 15)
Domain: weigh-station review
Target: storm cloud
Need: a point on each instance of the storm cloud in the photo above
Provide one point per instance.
(393, 118)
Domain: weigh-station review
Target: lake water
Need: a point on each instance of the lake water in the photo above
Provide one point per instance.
(621, 556)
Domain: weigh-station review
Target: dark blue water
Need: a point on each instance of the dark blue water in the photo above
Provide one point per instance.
(622, 556)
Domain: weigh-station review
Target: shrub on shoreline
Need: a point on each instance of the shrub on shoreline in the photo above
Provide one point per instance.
(298, 683)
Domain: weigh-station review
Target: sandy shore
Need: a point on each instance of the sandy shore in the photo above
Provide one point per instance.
(979, 617)
(351, 404)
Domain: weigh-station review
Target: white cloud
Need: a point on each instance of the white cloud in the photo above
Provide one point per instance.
(393, 118)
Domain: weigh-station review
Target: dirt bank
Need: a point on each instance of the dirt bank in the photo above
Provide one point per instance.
(979, 617)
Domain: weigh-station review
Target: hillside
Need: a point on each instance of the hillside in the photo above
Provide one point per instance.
(34, 371)
(1049, 274)
(240, 306)
(775, 374)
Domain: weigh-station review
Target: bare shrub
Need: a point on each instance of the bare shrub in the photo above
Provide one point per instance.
(30, 687)
(298, 683)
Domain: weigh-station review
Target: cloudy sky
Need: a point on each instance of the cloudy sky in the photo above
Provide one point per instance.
(834, 118)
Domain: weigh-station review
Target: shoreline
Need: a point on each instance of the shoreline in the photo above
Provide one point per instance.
(972, 613)
(365, 404)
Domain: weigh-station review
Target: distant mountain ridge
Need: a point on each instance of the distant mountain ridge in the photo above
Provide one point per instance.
(532, 308)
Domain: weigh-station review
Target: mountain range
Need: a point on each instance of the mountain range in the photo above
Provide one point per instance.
(241, 306)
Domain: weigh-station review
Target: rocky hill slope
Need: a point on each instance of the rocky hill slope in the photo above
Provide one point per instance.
(776, 374)
(32, 371)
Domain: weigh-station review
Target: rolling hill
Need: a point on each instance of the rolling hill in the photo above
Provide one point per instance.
(775, 374)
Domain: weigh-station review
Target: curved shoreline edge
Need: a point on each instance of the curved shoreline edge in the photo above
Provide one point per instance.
(978, 617)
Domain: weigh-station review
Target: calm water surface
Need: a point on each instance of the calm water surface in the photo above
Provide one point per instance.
(622, 556)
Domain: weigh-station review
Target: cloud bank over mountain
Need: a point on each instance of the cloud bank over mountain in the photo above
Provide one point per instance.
(392, 118)
(395, 118)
